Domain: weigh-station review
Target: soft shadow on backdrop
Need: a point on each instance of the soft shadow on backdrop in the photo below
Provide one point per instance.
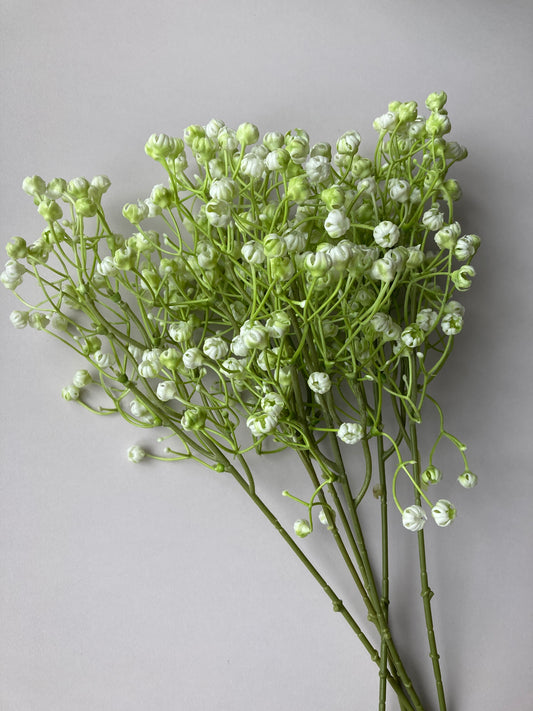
(130, 588)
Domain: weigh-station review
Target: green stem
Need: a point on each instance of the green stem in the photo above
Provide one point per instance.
(426, 592)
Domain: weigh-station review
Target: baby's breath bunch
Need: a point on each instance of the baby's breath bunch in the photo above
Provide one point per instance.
(275, 294)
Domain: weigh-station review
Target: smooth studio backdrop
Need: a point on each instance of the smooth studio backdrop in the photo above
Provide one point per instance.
(155, 586)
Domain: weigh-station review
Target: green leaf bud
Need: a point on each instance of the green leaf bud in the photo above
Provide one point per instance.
(125, 258)
(361, 167)
(170, 358)
(438, 124)
(161, 196)
(274, 246)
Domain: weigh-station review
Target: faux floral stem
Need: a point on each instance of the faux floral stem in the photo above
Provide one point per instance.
(426, 592)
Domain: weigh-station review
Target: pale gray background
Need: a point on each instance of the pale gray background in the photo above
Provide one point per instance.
(132, 588)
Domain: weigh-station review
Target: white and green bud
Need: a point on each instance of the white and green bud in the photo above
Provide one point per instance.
(433, 219)
(385, 122)
(319, 382)
(253, 253)
(247, 133)
(348, 143)
(124, 258)
(274, 246)
(253, 166)
(426, 319)
(38, 320)
(223, 189)
(317, 169)
(180, 331)
(272, 404)
(170, 358)
(466, 247)
(100, 184)
(298, 189)
(262, 423)
(413, 336)
(160, 146)
(446, 237)
(136, 454)
(148, 369)
(278, 324)
(467, 479)
(215, 348)
(102, 359)
(50, 210)
(218, 213)
(273, 140)
(194, 418)
(436, 100)
(107, 267)
(278, 159)
(462, 277)
(81, 378)
(438, 124)
(254, 336)
(232, 366)
(414, 517)
(17, 248)
(386, 234)
(351, 432)
(431, 475)
(443, 512)
(135, 213)
(34, 185)
(19, 319)
(70, 392)
(193, 358)
(302, 528)
(238, 347)
(399, 190)
(337, 224)
(166, 390)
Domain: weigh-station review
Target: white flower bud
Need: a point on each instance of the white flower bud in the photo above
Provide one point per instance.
(180, 331)
(413, 336)
(323, 518)
(340, 254)
(384, 269)
(414, 517)
(71, 392)
(262, 423)
(9, 282)
(443, 512)
(462, 277)
(254, 336)
(319, 383)
(223, 189)
(433, 219)
(81, 378)
(295, 241)
(247, 133)
(34, 186)
(431, 475)
(206, 255)
(147, 369)
(213, 128)
(336, 224)
(218, 213)
(253, 253)
(253, 166)
(302, 528)
(136, 454)
(317, 264)
(101, 359)
(452, 324)
(138, 409)
(426, 319)
(386, 121)
(14, 269)
(348, 143)
(100, 183)
(273, 140)
(107, 267)
(232, 366)
(37, 320)
(415, 257)
(215, 348)
(238, 347)
(446, 238)
(19, 319)
(166, 390)
(278, 324)
(193, 358)
(381, 322)
(318, 169)
(351, 432)
(278, 159)
(466, 247)
(454, 307)
(399, 190)
(467, 479)
(386, 234)
(272, 404)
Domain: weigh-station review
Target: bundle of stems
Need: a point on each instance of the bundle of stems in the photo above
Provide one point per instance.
(289, 297)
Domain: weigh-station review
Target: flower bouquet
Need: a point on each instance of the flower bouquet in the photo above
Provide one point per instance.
(284, 296)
